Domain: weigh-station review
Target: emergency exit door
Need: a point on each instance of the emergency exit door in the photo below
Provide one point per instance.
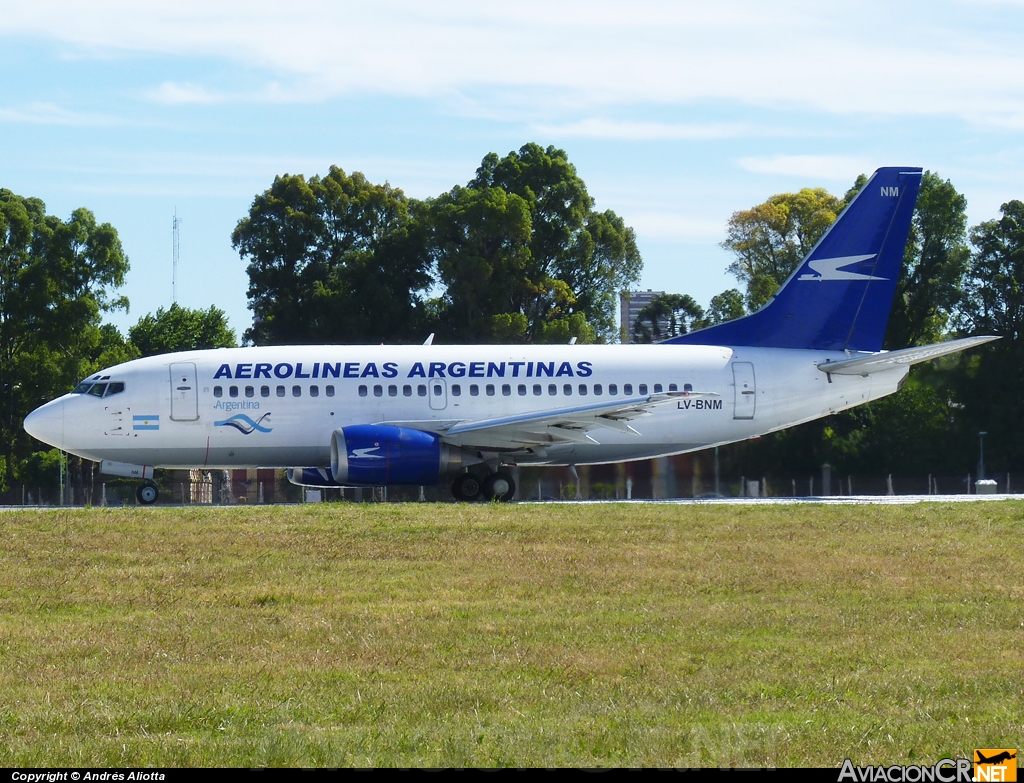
(184, 392)
(745, 394)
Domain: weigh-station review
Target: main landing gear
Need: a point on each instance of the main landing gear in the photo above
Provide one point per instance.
(496, 486)
(147, 494)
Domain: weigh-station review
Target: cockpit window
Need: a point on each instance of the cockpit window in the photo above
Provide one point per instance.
(114, 388)
(82, 388)
(98, 389)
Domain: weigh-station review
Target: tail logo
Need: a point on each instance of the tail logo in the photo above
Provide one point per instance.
(831, 269)
(244, 424)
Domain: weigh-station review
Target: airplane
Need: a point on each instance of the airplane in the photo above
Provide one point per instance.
(365, 415)
(996, 759)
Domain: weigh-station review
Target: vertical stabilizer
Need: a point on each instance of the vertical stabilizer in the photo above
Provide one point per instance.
(840, 296)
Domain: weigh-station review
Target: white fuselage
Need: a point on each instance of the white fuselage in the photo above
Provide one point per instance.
(278, 406)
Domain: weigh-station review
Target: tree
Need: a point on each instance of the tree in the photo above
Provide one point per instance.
(993, 303)
(480, 240)
(573, 260)
(936, 258)
(726, 306)
(57, 278)
(334, 259)
(181, 329)
(771, 239)
(667, 315)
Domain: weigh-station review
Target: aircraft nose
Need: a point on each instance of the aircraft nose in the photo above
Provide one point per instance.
(47, 423)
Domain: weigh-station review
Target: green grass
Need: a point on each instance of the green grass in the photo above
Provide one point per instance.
(511, 635)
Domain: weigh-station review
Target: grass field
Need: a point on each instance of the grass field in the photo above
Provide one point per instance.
(408, 635)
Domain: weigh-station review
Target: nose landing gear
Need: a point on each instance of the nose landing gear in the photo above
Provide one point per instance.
(147, 494)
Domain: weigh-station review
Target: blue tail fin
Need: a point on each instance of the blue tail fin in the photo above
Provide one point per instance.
(840, 296)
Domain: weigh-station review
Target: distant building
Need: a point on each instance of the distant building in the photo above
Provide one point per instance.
(630, 305)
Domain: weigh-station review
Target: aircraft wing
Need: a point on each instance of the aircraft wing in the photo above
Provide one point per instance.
(891, 360)
(578, 424)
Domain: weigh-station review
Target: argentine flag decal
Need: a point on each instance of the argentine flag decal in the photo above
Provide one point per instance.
(145, 422)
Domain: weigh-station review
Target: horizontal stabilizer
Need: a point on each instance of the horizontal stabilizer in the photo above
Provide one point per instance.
(890, 360)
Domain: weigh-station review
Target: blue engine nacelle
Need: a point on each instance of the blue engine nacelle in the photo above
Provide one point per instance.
(312, 477)
(377, 454)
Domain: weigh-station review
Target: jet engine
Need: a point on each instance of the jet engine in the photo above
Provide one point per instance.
(377, 454)
(312, 477)
(374, 455)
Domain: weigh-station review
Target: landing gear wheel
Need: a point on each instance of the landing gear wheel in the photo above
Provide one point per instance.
(466, 487)
(499, 486)
(147, 494)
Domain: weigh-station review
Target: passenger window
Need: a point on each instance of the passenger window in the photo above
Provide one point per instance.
(314, 391)
(583, 389)
(552, 389)
(598, 390)
(406, 390)
(627, 388)
(329, 390)
(233, 391)
(657, 388)
(296, 391)
(362, 391)
(421, 390)
(490, 389)
(643, 388)
(567, 389)
(537, 390)
(264, 391)
(687, 387)
(98, 389)
(613, 389)
(280, 391)
(522, 390)
(378, 390)
(438, 391)
(250, 391)
(673, 387)
(456, 390)
(392, 390)
(506, 390)
(115, 388)
(474, 390)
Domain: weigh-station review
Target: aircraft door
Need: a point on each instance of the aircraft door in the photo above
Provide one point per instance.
(745, 390)
(438, 394)
(184, 392)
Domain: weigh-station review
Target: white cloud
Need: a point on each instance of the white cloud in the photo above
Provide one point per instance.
(51, 114)
(871, 57)
(170, 92)
(653, 224)
(597, 128)
(810, 167)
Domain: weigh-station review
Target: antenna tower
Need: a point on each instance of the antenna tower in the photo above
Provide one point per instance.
(174, 268)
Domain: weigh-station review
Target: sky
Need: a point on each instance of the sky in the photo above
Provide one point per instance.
(675, 114)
